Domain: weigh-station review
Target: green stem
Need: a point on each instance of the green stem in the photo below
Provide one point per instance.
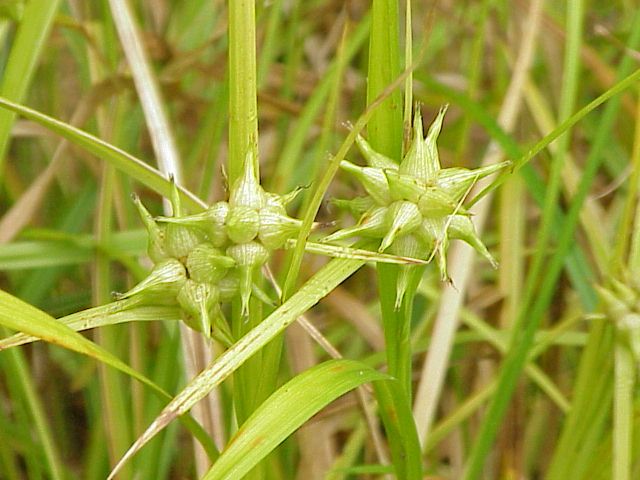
(243, 108)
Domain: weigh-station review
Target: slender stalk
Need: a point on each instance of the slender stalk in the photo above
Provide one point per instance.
(243, 108)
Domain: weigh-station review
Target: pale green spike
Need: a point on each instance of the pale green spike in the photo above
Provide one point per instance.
(249, 257)
(404, 187)
(457, 181)
(220, 328)
(462, 228)
(176, 203)
(373, 180)
(197, 300)
(211, 222)
(161, 285)
(402, 218)
(433, 235)
(430, 143)
(356, 206)
(155, 241)
(372, 224)
(246, 190)
(414, 163)
(373, 158)
(246, 287)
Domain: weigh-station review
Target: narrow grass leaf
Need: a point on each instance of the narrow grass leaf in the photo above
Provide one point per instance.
(122, 311)
(37, 20)
(123, 161)
(18, 315)
(286, 410)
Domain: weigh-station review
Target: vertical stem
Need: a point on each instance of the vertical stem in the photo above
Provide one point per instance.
(243, 108)
(624, 371)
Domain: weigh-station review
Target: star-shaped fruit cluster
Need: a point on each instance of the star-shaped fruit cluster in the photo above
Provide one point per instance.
(415, 206)
(205, 259)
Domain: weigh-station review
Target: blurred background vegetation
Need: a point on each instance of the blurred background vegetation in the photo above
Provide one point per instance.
(511, 72)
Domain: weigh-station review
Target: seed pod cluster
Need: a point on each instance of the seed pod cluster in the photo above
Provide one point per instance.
(208, 258)
(414, 207)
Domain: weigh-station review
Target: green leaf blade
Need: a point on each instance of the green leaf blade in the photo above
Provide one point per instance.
(286, 410)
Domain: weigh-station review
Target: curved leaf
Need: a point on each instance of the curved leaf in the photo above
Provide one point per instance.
(285, 411)
(122, 311)
(18, 315)
(120, 159)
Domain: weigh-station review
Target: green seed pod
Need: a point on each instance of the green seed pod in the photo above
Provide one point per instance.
(281, 201)
(435, 203)
(155, 241)
(457, 182)
(207, 264)
(180, 240)
(462, 228)
(373, 180)
(161, 285)
(246, 191)
(210, 222)
(402, 218)
(404, 187)
(373, 158)
(249, 257)
(217, 214)
(372, 224)
(197, 300)
(242, 224)
(275, 228)
(422, 159)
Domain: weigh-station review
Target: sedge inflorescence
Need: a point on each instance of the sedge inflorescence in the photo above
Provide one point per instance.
(203, 260)
(413, 206)
(206, 259)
